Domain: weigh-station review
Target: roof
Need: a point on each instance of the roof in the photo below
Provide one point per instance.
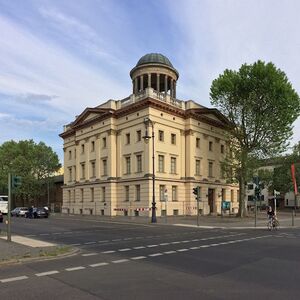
(151, 58)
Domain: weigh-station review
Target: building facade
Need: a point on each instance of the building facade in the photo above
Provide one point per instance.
(109, 150)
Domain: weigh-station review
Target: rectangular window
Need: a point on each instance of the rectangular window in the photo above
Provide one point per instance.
(138, 135)
(173, 165)
(222, 149)
(174, 193)
(104, 142)
(82, 148)
(250, 187)
(139, 163)
(70, 154)
(250, 198)
(104, 165)
(92, 195)
(69, 196)
(127, 138)
(70, 174)
(93, 167)
(126, 192)
(161, 135)
(161, 163)
(92, 146)
(82, 171)
(197, 142)
(210, 169)
(210, 146)
(128, 165)
(81, 195)
(222, 172)
(197, 167)
(162, 192)
(138, 192)
(103, 194)
(173, 139)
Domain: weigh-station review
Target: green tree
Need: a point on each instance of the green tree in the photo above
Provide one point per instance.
(35, 163)
(261, 105)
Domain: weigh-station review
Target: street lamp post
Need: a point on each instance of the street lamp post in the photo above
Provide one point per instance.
(146, 138)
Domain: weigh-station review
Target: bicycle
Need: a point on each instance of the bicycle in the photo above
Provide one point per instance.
(273, 224)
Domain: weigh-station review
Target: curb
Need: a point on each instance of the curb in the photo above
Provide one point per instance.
(72, 252)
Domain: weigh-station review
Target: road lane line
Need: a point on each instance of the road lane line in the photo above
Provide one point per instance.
(75, 244)
(125, 249)
(120, 261)
(151, 246)
(13, 279)
(89, 254)
(139, 247)
(90, 243)
(155, 254)
(99, 264)
(105, 241)
(115, 240)
(170, 252)
(46, 273)
(138, 257)
(194, 248)
(109, 251)
(75, 269)
(182, 250)
(164, 244)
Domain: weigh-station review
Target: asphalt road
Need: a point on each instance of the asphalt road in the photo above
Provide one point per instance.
(119, 260)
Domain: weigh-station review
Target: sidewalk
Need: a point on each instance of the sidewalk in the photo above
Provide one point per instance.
(227, 221)
(24, 249)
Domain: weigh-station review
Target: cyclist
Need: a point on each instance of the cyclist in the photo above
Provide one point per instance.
(271, 215)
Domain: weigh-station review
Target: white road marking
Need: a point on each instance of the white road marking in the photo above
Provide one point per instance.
(46, 273)
(99, 264)
(75, 244)
(164, 244)
(68, 232)
(155, 254)
(182, 250)
(194, 248)
(104, 241)
(204, 246)
(185, 241)
(195, 240)
(75, 269)
(109, 251)
(120, 261)
(125, 249)
(138, 257)
(170, 252)
(175, 243)
(139, 247)
(151, 246)
(115, 240)
(13, 279)
(90, 243)
(127, 239)
(56, 233)
(89, 254)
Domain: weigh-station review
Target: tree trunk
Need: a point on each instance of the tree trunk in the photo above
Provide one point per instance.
(242, 182)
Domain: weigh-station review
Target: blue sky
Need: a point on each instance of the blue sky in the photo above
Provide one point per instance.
(58, 57)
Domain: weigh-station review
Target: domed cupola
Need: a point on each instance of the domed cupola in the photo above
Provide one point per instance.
(155, 71)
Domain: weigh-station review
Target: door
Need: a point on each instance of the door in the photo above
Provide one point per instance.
(211, 200)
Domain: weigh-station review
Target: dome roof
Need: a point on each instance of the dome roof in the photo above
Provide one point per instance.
(155, 58)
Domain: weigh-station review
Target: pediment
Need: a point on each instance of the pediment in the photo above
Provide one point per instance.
(212, 114)
(90, 114)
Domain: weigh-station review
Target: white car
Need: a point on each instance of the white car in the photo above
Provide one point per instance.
(22, 211)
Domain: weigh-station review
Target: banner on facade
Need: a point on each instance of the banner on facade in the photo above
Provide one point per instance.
(294, 179)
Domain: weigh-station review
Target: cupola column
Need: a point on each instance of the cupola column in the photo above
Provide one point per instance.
(142, 82)
(149, 80)
(171, 88)
(166, 85)
(157, 82)
(174, 89)
(135, 85)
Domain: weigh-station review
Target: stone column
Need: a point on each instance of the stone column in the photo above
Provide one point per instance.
(174, 92)
(171, 88)
(135, 85)
(157, 82)
(149, 80)
(166, 84)
(142, 82)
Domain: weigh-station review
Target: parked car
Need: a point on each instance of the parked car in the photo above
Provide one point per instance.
(37, 212)
(15, 212)
(22, 211)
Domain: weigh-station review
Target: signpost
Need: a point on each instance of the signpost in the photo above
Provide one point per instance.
(166, 205)
(196, 192)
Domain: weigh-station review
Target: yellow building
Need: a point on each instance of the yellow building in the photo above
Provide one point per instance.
(108, 151)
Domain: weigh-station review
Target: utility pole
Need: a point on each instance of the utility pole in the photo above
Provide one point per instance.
(9, 209)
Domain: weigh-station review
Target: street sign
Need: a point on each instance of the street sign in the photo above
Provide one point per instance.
(226, 205)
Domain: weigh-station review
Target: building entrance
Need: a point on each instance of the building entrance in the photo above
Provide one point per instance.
(211, 200)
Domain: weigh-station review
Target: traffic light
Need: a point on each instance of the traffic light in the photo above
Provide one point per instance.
(196, 192)
(16, 181)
